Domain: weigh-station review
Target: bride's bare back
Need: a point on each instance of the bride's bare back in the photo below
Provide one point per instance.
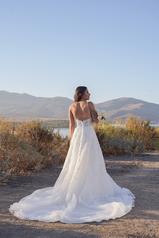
(80, 110)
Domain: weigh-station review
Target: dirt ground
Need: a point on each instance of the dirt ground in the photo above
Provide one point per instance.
(140, 176)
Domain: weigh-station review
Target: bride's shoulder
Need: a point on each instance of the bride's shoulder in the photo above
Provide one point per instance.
(72, 105)
(91, 104)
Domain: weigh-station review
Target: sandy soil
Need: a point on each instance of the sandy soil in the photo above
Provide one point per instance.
(140, 176)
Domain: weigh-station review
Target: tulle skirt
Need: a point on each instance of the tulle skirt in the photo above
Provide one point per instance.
(83, 192)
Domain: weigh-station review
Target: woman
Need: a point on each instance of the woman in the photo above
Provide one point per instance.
(84, 191)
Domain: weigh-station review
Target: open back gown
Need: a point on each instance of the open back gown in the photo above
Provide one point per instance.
(83, 191)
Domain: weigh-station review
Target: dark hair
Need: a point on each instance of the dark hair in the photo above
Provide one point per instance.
(80, 90)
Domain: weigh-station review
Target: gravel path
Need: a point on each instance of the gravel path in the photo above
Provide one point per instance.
(142, 221)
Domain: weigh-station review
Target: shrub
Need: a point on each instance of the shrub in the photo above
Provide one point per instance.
(33, 133)
(6, 126)
(141, 132)
(16, 157)
(136, 137)
(29, 146)
(156, 139)
(113, 140)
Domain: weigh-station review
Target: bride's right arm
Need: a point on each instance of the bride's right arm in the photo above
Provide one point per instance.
(94, 112)
(71, 123)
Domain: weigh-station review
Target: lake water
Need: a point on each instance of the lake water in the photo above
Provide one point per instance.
(65, 131)
(154, 125)
(62, 131)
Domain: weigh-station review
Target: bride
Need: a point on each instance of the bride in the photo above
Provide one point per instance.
(84, 191)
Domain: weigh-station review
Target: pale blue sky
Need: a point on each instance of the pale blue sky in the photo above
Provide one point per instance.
(49, 47)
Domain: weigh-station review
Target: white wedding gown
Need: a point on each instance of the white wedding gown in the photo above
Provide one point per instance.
(83, 192)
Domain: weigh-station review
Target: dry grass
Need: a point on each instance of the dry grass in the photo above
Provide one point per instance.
(28, 147)
(156, 138)
(136, 137)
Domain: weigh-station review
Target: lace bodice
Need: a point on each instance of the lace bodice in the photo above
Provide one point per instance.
(86, 122)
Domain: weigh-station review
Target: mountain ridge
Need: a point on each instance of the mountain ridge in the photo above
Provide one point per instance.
(22, 106)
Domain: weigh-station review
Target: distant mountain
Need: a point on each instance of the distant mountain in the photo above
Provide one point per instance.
(24, 106)
(125, 106)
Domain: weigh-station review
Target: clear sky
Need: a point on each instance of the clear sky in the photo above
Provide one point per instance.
(49, 47)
